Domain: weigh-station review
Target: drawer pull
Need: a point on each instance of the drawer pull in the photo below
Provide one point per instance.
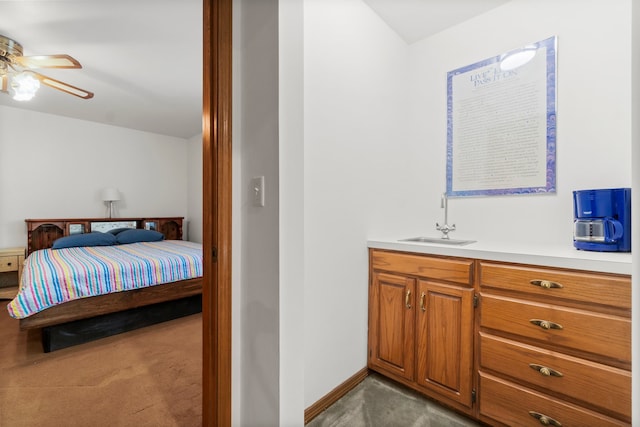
(422, 307)
(545, 324)
(407, 300)
(544, 420)
(547, 372)
(546, 284)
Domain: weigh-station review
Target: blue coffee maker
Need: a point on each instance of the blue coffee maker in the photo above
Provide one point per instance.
(602, 220)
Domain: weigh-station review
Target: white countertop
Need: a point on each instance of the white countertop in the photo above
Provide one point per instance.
(544, 255)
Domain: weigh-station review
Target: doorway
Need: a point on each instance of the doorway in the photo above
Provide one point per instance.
(216, 219)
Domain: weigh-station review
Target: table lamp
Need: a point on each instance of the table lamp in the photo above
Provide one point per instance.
(110, 195)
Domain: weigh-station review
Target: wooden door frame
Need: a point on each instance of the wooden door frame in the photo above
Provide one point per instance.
(216, 175)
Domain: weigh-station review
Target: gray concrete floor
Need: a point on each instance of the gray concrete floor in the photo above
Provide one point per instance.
(380, 402)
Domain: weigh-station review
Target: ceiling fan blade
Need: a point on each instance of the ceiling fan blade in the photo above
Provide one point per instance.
(64, 87)
(4, 83)
(48, 61)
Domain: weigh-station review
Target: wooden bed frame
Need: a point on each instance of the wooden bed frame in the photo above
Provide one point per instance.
(104, 304)
(75, 317)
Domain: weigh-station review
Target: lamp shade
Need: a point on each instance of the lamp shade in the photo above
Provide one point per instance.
(110, 194)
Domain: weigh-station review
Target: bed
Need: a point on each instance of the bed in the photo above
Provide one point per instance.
(83, 292)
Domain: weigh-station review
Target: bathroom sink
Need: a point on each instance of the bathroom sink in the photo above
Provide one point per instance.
(438, 240)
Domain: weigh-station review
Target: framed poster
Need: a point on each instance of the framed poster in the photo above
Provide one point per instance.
(501, 123)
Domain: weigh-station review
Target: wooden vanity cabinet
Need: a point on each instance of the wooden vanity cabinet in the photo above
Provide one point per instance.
(534, 346)
(392, 324)
(554, 346)
(421, 315)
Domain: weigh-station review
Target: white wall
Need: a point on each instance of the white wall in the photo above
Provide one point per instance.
(356, 148)
(256, 243)
(375, 140)
(55, 167)
(291, 192)
(593, 114)
(237, 404)
(193, 227)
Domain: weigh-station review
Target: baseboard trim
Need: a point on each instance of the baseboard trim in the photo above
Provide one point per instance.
(332, 397)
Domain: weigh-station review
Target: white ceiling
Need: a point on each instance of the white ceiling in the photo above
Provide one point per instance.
(414, 20)
(143, 58)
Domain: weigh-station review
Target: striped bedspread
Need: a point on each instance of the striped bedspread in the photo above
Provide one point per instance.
(52, 277)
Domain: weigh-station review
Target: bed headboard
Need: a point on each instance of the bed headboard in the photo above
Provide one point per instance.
(41, 233)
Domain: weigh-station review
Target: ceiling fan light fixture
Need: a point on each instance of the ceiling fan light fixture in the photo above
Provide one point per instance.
(24, 85)
(65, 87)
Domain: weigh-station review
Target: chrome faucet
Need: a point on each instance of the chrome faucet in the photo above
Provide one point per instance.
(446, 228)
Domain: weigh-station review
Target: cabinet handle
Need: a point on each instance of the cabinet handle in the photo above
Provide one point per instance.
(545, 420)
(545, 324)
(407, 301)
(546, 284)
(547, 372)
(422, 307)
(8, 264)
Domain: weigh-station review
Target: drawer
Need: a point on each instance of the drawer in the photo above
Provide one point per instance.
(603, 387)
(605, 289)
(457, 270)
(8, 263)
(513, 405)
(585, 331)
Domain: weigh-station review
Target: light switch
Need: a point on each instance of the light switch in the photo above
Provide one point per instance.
(257, 188)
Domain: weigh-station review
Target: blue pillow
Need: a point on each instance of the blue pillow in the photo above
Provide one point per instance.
(138, 235)
(117, 231)
(86, 239)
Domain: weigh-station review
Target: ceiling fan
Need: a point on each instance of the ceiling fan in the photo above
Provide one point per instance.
(16, 71)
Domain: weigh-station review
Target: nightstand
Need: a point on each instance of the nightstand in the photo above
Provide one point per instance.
(11, 262)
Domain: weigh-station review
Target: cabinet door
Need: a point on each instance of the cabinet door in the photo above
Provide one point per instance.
(171, 228)
(392, 324)
(44, 234)
(445, 340)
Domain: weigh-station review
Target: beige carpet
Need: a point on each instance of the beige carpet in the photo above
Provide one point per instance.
(148, 377)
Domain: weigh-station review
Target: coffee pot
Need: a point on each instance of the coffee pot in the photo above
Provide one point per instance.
(602, 220)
